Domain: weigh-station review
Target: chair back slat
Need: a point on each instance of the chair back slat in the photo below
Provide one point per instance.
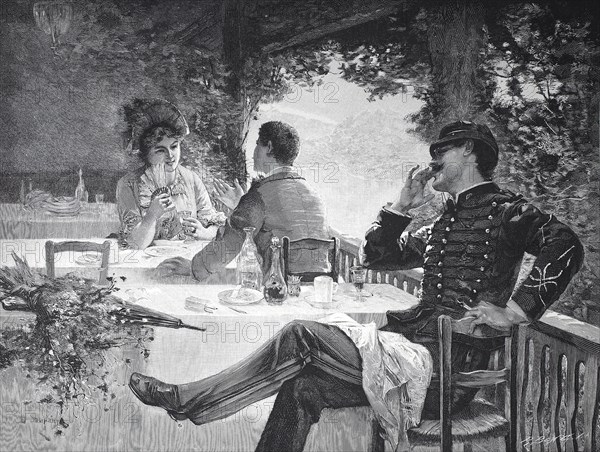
(77, 246)
(480, 378)
(311, 245)
(475, 379)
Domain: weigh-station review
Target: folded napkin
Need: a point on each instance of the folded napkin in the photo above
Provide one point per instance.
(395, 376)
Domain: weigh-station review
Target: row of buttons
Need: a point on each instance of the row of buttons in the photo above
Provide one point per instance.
(443, 252)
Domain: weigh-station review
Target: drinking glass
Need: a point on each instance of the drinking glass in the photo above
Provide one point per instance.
(323, 289)
(99, 207)
(358, 274)
(185, 214)
(293, 283)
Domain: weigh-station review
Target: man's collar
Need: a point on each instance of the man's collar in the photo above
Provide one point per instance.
(481, 187)
(282, 172)
(279, 169)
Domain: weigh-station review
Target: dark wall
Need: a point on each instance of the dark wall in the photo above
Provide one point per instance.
(60, 107)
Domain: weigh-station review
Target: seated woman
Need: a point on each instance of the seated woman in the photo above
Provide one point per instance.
(161, 199)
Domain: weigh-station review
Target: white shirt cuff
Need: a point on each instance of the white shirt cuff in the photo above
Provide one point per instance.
(513, 306)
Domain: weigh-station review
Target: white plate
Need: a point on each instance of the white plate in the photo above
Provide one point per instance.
(246, 296)
(89, 259)
(63, 214)
(165, 251)
(170, 243)
(335, 302)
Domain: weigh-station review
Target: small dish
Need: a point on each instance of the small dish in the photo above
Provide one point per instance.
(89, 259)
(164, 251)
(244, 297)
(199, 305)
(310, 299)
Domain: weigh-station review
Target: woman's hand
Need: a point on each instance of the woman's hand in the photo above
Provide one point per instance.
(160, 205)
(412, 194)
(194, 229)
(228, 195)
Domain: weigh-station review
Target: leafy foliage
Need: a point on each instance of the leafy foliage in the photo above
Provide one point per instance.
(66, 349)
(539, 85)
(544, 107)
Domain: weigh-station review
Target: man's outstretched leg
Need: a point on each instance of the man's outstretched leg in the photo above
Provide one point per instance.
(299, 405)
(298, 345)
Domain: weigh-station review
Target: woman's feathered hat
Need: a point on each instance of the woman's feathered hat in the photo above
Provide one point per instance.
(142, 114)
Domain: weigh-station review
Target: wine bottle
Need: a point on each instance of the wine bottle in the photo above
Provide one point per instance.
(275, 290)
(80, 190)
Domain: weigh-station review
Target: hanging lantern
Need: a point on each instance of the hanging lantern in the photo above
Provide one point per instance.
(53, 18)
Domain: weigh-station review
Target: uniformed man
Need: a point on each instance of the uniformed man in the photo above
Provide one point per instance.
(470, 257)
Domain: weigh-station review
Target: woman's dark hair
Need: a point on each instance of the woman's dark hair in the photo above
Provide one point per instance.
(152, 136)
(149, 121)
(283, 138)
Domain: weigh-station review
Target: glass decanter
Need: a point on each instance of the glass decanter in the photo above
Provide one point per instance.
(249, 273)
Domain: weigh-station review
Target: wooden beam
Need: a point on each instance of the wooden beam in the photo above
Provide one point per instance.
(332, 27)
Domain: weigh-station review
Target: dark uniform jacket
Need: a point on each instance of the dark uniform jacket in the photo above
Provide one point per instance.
(473, 253)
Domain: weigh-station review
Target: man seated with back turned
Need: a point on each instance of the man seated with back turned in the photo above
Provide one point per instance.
(280, 203)
(470, 257)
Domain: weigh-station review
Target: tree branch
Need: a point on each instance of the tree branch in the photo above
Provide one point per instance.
(332, 27)
(497, 75)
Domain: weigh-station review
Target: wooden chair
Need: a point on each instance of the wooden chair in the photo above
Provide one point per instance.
(480, 419)
(56, 247)
(310, 246)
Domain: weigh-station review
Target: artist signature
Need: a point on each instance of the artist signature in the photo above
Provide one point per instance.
(549, 440)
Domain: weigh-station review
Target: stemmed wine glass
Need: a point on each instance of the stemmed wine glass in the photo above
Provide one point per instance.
(359, 276)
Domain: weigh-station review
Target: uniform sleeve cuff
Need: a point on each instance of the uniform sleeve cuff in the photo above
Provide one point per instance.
(393, 221)
(527, 303)
(388, 208)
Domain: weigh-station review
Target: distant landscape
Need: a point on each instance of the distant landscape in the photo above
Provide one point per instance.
(356, 163)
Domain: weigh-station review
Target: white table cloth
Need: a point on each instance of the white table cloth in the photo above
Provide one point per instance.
(94, 220)
(180, 355)
(137, 266)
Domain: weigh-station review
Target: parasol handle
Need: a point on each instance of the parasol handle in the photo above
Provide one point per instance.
(191, 327)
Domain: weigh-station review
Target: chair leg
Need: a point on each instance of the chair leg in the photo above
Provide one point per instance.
(50, 259)
(377, 441)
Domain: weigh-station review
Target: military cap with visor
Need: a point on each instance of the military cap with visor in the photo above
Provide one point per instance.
(465, 130)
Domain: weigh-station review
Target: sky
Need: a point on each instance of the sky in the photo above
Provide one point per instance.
(335, 110)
